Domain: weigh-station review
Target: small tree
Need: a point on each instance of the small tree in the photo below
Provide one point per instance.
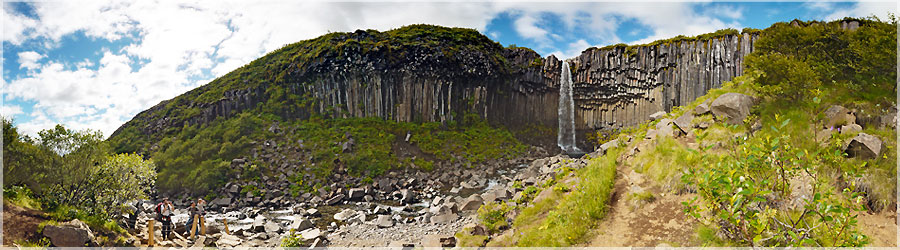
(782, 76)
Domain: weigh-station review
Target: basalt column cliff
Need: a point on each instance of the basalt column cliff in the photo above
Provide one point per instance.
(620, 86)
(425, 73)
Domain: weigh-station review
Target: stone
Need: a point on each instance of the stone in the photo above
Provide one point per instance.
(318, 243)
(356, 194)
(850, 128)
(301, 224)
(234, 189)
(443, 218)
(384, 221)
(472, 203)
(732, 107)
(272, 227)
(657, 115)
(70, 234)
(684, 122)
(701, 109)
(479, 230)
(310, 234)
(448, 242)
(344, 214)
(334, 200)
(259, 225)
(407, 196)
(225, 201)
(228, 241)
(836, 116)
(863, 146)
(608, 145)
(664, 128)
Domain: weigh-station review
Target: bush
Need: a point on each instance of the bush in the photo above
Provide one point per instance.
(741, 192)
(493, 216)
(782, 76)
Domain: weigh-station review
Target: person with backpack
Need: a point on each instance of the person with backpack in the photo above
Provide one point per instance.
(164, 211)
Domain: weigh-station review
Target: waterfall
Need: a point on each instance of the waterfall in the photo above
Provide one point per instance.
(566, 138)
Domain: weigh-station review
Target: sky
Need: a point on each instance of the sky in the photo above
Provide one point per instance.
(96, 64)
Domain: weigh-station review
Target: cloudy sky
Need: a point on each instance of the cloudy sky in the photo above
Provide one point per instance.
(95, 64)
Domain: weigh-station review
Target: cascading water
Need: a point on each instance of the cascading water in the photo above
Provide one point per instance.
(566, 138)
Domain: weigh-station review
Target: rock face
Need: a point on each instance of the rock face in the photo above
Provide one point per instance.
(733, 107)
(619, 87)
(836, 116)
(421, 82)
(70, 234)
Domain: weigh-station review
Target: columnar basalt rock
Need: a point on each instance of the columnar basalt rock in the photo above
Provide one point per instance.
(513, 87)
(619, 86)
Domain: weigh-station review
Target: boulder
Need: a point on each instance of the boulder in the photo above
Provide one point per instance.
(732, 107)
(259, 225)
(312, 212)
(657, 115)
(850, 128)
(70, 234)
(334, 200)
(701, 109)
(224, 202)
(310, 234)
(443, 218)
(610, 144)
(301, 224)
(344, 215)
(472, 203)
(228, 241)
(272, 227)
(684, 122)
(863, 146)
(836, 116)
(384, 221)
(318, 243)
(664, 128)
(356, 194)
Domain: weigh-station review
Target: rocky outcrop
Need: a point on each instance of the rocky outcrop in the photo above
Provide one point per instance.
(619, 86)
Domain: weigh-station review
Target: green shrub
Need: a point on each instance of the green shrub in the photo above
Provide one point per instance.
(493, 216)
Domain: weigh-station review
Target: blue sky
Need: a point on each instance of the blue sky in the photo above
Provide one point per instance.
(95, 64)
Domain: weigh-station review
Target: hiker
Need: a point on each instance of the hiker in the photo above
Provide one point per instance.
(164, 212)
(197, 208)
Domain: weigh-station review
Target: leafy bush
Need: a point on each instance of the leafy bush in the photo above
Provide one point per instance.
(493, 216)
(782, 76)
(741, 191)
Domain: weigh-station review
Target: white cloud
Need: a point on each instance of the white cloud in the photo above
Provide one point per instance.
(15, 25)
(10, 110)
(864, 9)
(572, 49)
(29, 60)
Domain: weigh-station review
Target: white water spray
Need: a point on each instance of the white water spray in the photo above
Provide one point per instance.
(566, 138)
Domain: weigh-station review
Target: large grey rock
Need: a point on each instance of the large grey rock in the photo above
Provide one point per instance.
(228, 241)
(850, 128)
(472, 203)
(684, 122)
(657, 115)
(732, 107)
(310, 234)
(224, 201)
(836, 116)
(664, 128)
(701, 109)
(608, 145)
(384, 221)
(344, 215)
(334, 200)
(70, 234)
(356, 194)
(272, 227)
(259, 225)
(443, 218)
(301, 224)
(863, 146)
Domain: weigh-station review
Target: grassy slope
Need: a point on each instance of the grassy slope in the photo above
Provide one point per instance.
(554, 222)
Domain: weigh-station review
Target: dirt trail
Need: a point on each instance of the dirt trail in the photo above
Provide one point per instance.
(632, 223)
(20, 224)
